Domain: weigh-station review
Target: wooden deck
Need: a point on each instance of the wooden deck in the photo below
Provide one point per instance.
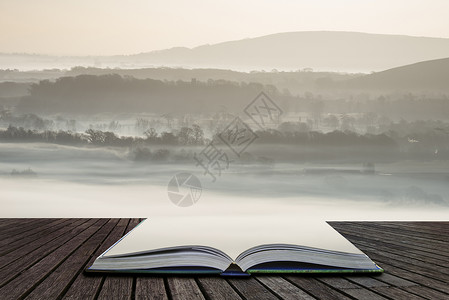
(45, 259)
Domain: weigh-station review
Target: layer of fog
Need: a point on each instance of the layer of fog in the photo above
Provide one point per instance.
(74, 182)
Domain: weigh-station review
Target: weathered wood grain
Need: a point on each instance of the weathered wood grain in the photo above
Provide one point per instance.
(88, 286)
(28, 280)
(282, 288)
(45, 259)
(216, 288)
(183, 288)
(16, 267)
(55, 284)
(316, 288)
(250, 288)
(150, 288)
(28, 245)
(118, 286)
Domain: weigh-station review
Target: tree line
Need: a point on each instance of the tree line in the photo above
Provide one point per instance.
(89, 94)
(305, 145)
(194, 136)
(93, 94)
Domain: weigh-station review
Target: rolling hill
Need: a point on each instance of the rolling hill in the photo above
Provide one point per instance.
(430, 75)
(332, 51)
(320, 50)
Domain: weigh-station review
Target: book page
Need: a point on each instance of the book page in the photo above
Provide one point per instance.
(231, 234)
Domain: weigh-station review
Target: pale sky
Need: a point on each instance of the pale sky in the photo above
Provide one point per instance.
(104, 27)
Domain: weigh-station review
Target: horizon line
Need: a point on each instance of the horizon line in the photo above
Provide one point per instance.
(207, 44)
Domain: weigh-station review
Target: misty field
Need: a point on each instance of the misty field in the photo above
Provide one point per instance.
(91, 141)
(53, 180)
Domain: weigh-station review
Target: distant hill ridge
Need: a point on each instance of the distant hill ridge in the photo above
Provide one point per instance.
(320, 50)
(430, 75)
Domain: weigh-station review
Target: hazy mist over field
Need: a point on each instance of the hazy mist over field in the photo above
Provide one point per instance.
(110, 183)
(324, 120)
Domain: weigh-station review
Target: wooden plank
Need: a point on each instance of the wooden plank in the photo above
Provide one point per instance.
(53, 286)
(356, 288)
(401, 271)
(374, 232)
(282, 288)
(117, 287)
(410, 267)
(396, 293)
(427, 292)
(415, 277)
(364, 294)
(368, 282)
(13, 269)
(26, 281)
(132, 224)
(338, 282)
(125, 283)
(438, 235)
(409, 257)
(435, 233)
(21, 229)
(429, 226)
(15, 241)
(216, 288)
(28, 245)
(316, 288)
(250, 288)
(184, 288)
(395, 281)
(149, 288)
(8, 222)
(415, 243)
(47, 267)
(429, 258)
(412, 264)
(24, 226)
(385, 243)
(88, 286)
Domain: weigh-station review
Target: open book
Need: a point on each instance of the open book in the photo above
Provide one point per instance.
(232, 246)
